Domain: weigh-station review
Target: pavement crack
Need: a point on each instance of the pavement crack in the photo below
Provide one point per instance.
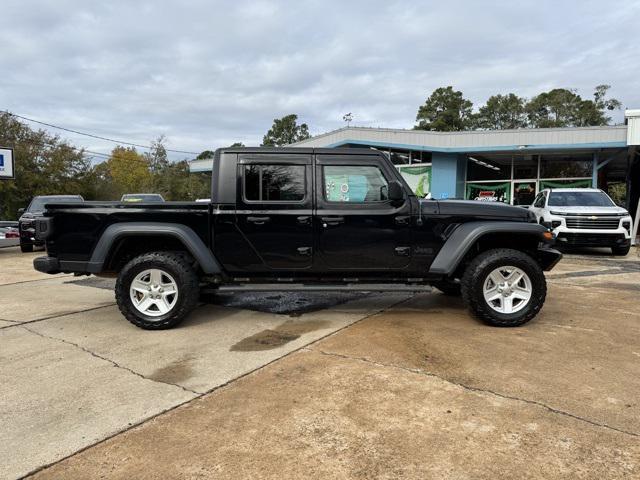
(112, 362)
(479, 390)
(19, 323)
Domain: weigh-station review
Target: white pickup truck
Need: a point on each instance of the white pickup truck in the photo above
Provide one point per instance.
(584, 217)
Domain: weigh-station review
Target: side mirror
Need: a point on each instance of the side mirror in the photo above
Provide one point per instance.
(396, 192)
(21, 211)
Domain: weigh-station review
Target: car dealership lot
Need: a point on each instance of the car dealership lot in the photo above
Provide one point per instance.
(413, 387)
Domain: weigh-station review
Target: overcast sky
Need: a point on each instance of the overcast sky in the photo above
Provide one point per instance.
(210, 73)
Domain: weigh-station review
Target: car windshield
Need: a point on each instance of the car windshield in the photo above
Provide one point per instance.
(579, 199)
(38, 203)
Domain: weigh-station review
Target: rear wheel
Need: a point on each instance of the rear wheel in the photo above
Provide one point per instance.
(26, 247)
(504, 287)
(157, 290)
(621, 251)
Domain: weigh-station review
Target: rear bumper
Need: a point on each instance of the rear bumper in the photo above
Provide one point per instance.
(52, 265)
(46, 265)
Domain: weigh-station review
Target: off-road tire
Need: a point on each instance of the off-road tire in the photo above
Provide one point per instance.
(26, 247)
(620, 251)
(476, 274)
(451, 289)
(184, 274)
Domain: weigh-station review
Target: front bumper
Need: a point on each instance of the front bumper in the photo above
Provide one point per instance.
(592, 239)
(548, 257)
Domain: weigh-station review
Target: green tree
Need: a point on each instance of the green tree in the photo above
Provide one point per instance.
(44, 165)
(502, 112)
(157, 155)
(593, 112)
(561, 107)
(555, 108)
(237, 144)
(445, 110)
(205, 155)
(285, 131)
(129, 171)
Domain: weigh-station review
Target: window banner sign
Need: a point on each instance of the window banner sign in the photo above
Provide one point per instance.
(586, 183)
(7, 170)
(489, 192)
(418, 177)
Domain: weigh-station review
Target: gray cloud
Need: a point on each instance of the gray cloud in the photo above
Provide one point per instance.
(207, 74)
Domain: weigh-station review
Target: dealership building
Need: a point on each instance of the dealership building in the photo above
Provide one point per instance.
(510, 166)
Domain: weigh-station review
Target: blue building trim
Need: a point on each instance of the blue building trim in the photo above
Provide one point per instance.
(446, 172)
(496, 148)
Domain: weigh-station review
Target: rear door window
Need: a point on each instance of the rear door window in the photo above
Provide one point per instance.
(274, 183)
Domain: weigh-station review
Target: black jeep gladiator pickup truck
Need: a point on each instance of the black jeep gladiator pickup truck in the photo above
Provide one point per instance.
(294, 218)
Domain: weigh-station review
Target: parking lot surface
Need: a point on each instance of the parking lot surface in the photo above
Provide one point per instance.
(338, 386)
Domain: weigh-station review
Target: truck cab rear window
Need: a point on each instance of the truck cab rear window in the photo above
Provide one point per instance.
(274, 183)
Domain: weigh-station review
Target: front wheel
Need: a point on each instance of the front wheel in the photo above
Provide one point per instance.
(156, 291)
(504, 287)
(26, 247)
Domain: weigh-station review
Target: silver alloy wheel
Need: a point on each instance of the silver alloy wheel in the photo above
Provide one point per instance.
(507, 289)
(153, 292)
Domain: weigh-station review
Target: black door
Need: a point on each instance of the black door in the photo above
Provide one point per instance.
(274, 210)
(357, 226)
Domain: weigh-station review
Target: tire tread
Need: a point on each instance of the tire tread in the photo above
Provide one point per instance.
(471, 283)
(188, 284)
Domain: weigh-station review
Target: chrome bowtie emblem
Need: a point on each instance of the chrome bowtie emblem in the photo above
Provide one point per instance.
(593, 217)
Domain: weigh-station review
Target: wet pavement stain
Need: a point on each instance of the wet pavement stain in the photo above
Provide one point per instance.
(175, 372)
(281, 335)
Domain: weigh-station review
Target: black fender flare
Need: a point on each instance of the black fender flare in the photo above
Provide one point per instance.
(467, 234)
(191, 241)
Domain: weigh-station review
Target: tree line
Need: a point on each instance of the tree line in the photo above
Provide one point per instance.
(447, 110)
(46, 164)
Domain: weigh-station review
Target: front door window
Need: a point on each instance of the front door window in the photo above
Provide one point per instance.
(355, 184)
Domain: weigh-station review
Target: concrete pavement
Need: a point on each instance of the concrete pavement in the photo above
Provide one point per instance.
(73, 371)
(415, 389)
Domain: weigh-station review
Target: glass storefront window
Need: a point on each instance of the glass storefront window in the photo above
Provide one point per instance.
(586, 183)
(557, 166)
(418, 177)
(483, 168)
(399, 157)
(489, 192)
(525, 166)
(524, 192)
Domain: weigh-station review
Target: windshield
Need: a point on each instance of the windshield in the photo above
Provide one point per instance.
(38, 203)
(143, 197)
(579, 199)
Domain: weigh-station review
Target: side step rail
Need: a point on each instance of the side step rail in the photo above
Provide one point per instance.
(297, 287)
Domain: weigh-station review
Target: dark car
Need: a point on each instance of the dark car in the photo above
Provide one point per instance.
(299, 219)
(35, 209)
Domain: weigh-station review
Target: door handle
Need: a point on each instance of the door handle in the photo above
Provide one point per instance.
(326, 221)
(259, 220)
(402, 220)
(304, 251)
(304, 220)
